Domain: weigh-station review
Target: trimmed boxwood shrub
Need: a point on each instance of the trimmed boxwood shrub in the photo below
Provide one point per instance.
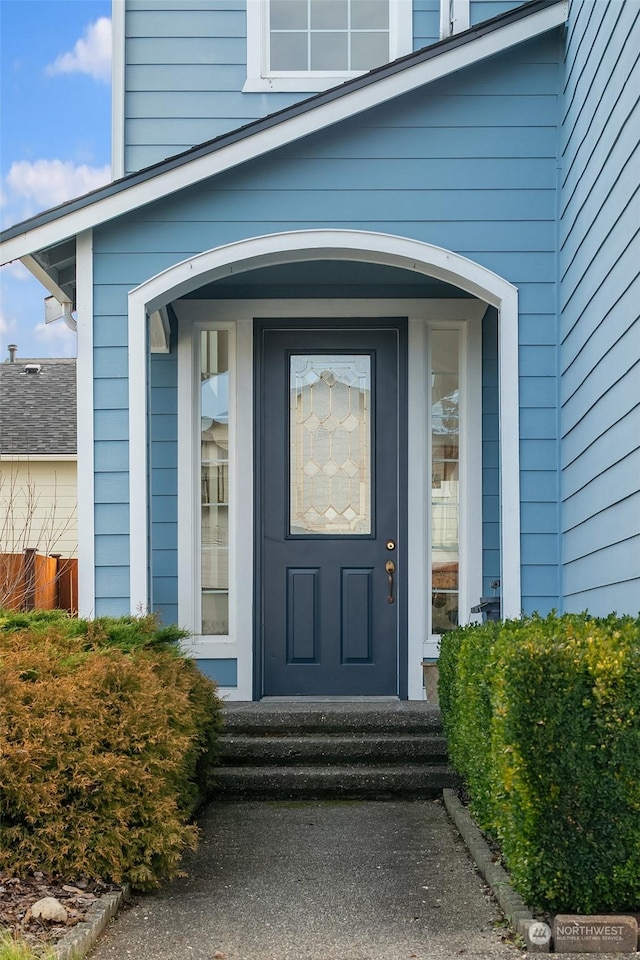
(108, 734)
(543, 722)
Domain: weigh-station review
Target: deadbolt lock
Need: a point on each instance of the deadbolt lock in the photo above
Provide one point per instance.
(391, 544)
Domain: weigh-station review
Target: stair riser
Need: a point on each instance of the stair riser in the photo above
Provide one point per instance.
(331, 750)
(261, 725)
(373, 786)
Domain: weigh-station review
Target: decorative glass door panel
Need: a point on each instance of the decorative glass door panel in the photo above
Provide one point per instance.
(445, 482)
(330, 441)
(214, 447)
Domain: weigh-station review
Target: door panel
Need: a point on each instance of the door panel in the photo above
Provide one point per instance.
(329, 454)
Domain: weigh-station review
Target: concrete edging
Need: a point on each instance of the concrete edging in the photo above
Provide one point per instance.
(81, 938)
(511, 903)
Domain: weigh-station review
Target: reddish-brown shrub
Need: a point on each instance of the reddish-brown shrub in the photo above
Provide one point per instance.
(100, 754)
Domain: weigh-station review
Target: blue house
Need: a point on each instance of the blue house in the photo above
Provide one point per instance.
(358, 328)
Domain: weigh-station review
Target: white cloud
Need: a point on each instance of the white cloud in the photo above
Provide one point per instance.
(46, 183)
(91, 53)
(57, 338)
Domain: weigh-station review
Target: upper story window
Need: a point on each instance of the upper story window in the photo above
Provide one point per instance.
(309, 45)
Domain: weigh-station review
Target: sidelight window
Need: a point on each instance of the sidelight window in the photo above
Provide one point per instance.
(445, 479)
(214, 478)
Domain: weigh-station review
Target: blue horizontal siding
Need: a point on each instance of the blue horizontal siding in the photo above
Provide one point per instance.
(175, 51)
(537, 517)
(111, 455)
(164, 535)
(600, 319)
(184, 22)
(199, 96)
(538, 424)
(604, 598)
(600, 567)
(537, 329)
(165, 589)
(112, 582)
(451, 165)
(594, 417)
(111, 393)
(165, 563)
(224, 671)
(111, 424)
(585, 538)
(167, 613)
(480, 10)
(111, 488)
(589, 341)
(113, 606)
(111, 333)
(112, 516)
(111, 549)
(593, 494)
(108, 361)
(165, 453)
(612, 446)
(164, 481)
(426, 22)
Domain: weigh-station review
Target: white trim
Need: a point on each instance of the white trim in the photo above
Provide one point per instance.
(285, 132)
(45, 279)
(138, 458)
(188, 518)
(454, 17)
(85, 457)
(355, 245)
(471, 449)
(37, 458)
(117, 87)
(509, 456)
(260, 79)
(418, 533)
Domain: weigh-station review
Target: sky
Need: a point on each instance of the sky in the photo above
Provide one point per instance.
(55, 140)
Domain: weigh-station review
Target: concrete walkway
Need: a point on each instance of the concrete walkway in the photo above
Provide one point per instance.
(316, 881)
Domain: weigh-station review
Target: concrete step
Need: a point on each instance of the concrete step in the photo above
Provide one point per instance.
(242, 749)
(411, 781)
(275, 717)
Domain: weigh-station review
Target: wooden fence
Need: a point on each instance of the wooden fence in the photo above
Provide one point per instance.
(31, 581)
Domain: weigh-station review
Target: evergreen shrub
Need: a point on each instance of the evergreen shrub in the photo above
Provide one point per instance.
(108, 735)
(542, 717)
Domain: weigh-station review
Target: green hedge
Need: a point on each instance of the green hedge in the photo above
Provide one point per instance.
(542, 717)
(108, 738)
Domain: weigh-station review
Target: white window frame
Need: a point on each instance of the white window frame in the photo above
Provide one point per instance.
(261, 79)
(455, 17)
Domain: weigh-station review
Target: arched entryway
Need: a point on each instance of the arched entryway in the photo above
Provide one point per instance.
(350, 247)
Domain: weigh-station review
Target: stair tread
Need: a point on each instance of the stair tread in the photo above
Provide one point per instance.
(333, 770)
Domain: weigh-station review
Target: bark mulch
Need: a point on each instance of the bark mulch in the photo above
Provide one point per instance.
(18, 895)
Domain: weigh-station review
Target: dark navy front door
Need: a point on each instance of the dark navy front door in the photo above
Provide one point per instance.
(329, 460)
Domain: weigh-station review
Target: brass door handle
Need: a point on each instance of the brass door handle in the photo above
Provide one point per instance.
(390, 567)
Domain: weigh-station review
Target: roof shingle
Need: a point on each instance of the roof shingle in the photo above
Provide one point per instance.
(38, 410)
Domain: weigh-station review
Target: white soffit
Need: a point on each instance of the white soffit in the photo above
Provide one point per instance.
(288, 130)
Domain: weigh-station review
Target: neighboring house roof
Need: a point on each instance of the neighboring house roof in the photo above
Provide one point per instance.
(55, 227)
(38, 410)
